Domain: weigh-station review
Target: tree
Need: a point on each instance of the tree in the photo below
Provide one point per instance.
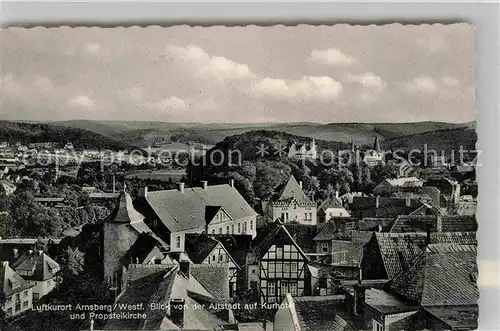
(72, 263)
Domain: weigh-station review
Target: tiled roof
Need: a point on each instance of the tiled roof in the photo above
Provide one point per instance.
(40, 266)
(403, 181)
(318, 313)
(11, 282)
(422, 223)
(293, 190)
(124, 211)
(159, 285)
(199, 246)
(182, 211)
(142, 249)
(303, 235)
(459, 223)
(386, 303)
(214, 278)
(327, 232)
(270, 235)
(330, 202)
(388, 207)
(374, 223)
(237, 246)
(398, 250)
(456, 317)
(442, 275)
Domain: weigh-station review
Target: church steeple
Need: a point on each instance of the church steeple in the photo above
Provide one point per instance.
(376, 144)
(353, 148)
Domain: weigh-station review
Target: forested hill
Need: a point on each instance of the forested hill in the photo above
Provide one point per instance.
(39, 132)
(274, 144)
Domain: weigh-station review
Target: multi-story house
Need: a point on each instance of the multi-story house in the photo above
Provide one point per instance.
(331, 207)
(204, 249)
(217, 209)
(282, 264)
(16, 292)
(388, 186)
(39, 269)
(293, 205)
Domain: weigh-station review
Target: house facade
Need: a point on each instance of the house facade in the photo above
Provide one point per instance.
(282, 264)
(331, 207)
(17, 292)
(39, 269)
(293, 205)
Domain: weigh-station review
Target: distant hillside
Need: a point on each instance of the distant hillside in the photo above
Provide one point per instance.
(447, 140)
(40, 132)
(146, 133)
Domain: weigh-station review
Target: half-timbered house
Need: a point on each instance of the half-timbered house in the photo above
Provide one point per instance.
(282, 264)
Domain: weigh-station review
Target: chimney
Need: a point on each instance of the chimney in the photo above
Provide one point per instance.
(300, 184)
(231, 182)
(181, 187)
(204, 184)
(439, 223)
(408, 202)
(177, 312)
(380, 228)
(184, 267)
(145, 191)
(15, 253)
(30, 252)
(377, 201)
(337, 194)
(40, 252)
(5, 264)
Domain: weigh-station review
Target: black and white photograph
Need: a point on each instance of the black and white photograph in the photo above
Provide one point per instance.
(246, 178)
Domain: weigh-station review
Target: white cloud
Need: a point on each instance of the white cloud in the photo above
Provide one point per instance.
(82, 101)
(308, 87)
(368, 80)
(172, 103)
(133, 93)
(217, 66)
(450, 81)
(423, 84)
(331, 56)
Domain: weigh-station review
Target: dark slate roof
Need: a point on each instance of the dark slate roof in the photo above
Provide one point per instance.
(11, 282)
(237, 246)
(388, 207)
(303, 235)
(328, 232)
(456, 317)
(462, 223)
(386, 303)
(442, 275)
(293, 190)
(318, 313)
(199, 246)
(142, 248)
(273, 233)
(330, 202)
(214, 278)
(414, 223)
(182, 211)
(40, 266)
(124, 211)
(374, 223)
(398, 250)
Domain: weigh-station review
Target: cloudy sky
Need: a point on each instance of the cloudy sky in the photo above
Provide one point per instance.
(341, 73)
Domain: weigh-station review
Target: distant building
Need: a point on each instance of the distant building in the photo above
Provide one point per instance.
(292, 205)
(18, 293)
(303, 151)
(39, 269)
(69, 146)
(8, 186)
(388, 186)
(374, 156)
(331, 207)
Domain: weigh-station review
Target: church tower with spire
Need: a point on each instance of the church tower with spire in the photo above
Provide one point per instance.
(376, 145)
